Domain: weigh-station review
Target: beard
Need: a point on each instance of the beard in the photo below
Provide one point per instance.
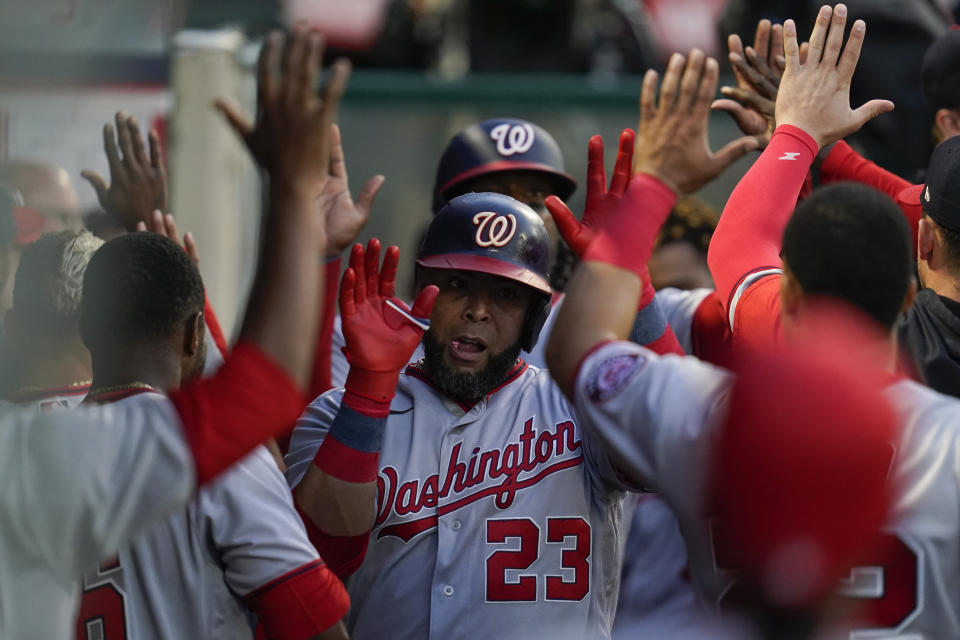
(467, 386)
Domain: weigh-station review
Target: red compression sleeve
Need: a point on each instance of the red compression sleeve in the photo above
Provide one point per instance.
(320, 378)
(213, 325)
(248, 400)
(300, 604)
(843, 163)
(750, 231)
(342, 554)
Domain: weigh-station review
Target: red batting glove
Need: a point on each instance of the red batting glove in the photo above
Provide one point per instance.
(380, 331)
(600, 200)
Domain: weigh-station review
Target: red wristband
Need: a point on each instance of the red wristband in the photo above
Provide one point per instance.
(346, 463)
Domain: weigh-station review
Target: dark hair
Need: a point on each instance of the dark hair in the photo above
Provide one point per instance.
(47, 289)
(137, 289)
(851, 242)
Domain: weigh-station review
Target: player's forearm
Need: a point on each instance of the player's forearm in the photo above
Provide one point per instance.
(339, 490)
(282, 312)
(845, 164)
(336, 507)
(750, 231)
(321, 376)
(600, 305)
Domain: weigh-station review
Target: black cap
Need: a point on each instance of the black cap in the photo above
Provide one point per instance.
(940, 72)
(941, 193)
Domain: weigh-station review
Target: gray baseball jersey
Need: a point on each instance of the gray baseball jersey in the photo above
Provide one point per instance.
(75, 486)
(659, 413)
(656, 591)
(491, 520)
(187, 576)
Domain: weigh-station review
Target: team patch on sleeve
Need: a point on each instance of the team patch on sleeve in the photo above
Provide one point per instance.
(611, 376)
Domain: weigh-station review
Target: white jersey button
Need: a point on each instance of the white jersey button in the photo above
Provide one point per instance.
(456, 525)
(448, 590)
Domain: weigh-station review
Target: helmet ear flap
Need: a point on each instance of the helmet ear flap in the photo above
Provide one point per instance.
(537, 315)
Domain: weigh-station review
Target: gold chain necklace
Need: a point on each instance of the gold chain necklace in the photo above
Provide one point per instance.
(130, 386)
(72, 385)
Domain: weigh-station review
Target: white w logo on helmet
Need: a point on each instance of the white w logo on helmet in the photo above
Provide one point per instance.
(494, 230)
(511, 139)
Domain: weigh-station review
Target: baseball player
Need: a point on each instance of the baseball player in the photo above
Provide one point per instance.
(52, 365)
(78, 485)
(493, 510)
(239, 545)
(838, 242)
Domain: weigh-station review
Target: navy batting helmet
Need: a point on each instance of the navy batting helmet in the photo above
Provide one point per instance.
(501, 144)
(493, 233)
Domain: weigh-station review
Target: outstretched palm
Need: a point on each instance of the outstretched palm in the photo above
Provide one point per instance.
(345, 217)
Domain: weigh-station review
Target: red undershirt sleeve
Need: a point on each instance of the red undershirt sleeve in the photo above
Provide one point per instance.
(343, 554)
(300, 604)
(248, 400)
(843, 163)
(213, 325)
(320, 380)
(748, 238)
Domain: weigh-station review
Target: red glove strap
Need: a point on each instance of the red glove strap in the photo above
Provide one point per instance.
(370, 392)
(627, 237)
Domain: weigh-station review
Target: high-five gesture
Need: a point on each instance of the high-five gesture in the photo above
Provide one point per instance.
(290, 137)
(138, 182)
(757, 70)
(345, 216)
(815, 95)
(672, 143)
(600, 200)
(380, 331)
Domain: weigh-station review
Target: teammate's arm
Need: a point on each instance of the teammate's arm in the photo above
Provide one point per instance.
(338, 491)
(266, 556)
(671, 156)
(291, 141)
(812, 110)
(650, 327)
(346, 217)
(843, 163)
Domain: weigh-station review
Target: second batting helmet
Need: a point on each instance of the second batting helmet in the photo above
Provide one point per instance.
(495, 234)
(501, 144)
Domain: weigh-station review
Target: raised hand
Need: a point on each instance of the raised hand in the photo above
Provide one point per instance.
(163, 224)
(138, 183)
(757, 70)
(380, 331)
(815, 95)
(600, 200)
(672, 143)
(345, 217)
(290, 136)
